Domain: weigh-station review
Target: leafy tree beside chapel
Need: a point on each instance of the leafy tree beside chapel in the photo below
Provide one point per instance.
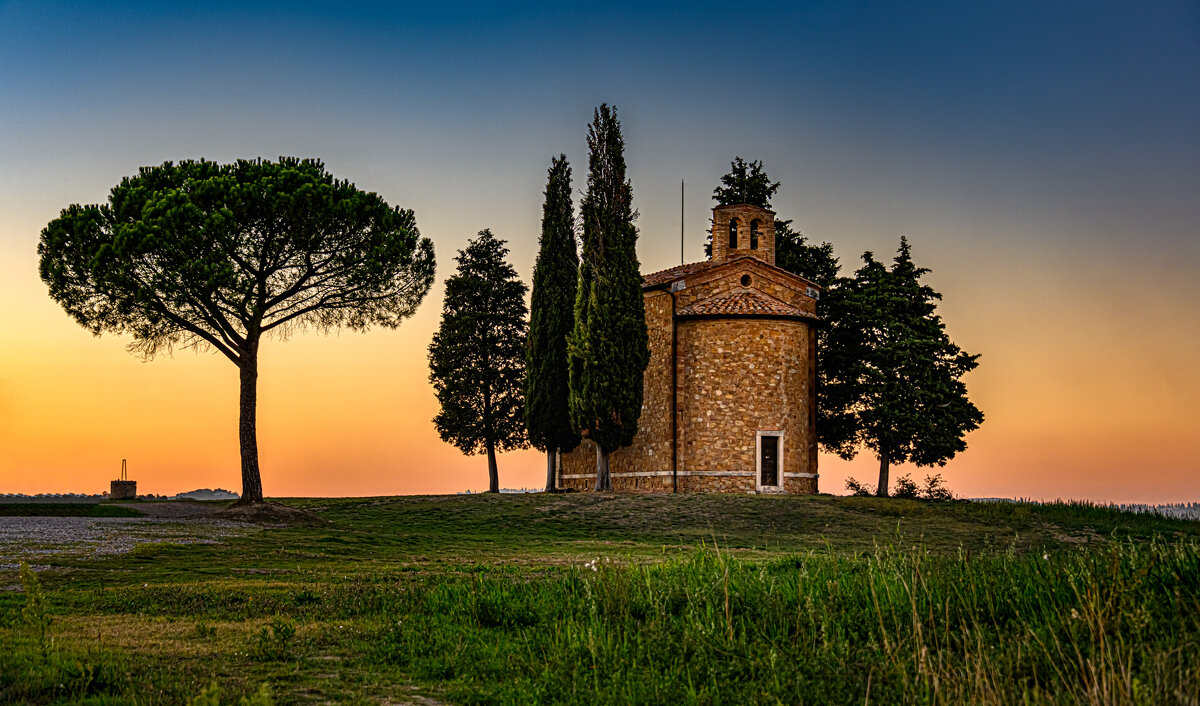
(551, 319)
(892, 378)
(608, 350)
(477, 357)
(224, 255)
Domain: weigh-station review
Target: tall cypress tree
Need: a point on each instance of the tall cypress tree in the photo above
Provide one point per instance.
(551, 318)
(893, 379)
(477, 357)
(608, 349)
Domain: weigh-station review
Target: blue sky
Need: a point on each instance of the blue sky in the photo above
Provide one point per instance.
(1090, 105)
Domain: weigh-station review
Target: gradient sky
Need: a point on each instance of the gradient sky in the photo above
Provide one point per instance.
(1042, 158)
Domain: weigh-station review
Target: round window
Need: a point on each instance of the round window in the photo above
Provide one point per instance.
(745, 280)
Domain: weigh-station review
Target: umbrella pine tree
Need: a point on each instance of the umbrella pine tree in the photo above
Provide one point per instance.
(224, 255)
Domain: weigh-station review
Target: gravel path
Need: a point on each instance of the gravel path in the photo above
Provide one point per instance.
(39, 540)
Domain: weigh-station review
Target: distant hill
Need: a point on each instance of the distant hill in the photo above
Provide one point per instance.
(207, 494)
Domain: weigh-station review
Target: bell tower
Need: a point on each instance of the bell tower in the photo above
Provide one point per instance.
(743, 229)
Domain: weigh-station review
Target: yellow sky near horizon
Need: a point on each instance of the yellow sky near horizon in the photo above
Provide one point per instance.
(1087, 382)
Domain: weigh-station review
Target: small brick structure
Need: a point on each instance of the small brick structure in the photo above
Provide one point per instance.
(122, 490)
(729, 395)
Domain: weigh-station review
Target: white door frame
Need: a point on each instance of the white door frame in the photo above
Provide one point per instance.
(758, 485)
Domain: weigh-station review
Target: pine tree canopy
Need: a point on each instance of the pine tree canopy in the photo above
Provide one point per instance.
(221, 255)
(205, 253)
(608, 348)
(551, 318)
(746, 182)
(894, 376)
(477, 357)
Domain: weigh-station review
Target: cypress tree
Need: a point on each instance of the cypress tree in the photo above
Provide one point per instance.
(551, 318)
(893, 380)
(477, 357)
(608, 349)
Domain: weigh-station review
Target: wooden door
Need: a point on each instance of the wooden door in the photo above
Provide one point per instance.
(768, 460)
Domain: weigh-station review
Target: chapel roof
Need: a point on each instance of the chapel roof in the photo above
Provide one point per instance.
(671, 274)
(746, 302)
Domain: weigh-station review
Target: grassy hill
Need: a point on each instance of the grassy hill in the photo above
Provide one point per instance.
(582, 598)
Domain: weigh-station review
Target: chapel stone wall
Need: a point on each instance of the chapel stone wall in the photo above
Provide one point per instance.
(742, 376)
(728, 279)
(736, 377)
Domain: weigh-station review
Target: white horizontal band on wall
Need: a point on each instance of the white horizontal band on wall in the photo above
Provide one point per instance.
(650, 474)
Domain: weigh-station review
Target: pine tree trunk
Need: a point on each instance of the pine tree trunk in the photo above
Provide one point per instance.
(550, 469)
(881, 490)
(247, 426)
(493, 475)
(603, 478)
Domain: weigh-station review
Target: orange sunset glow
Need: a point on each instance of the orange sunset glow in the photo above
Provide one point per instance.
(1062, 238)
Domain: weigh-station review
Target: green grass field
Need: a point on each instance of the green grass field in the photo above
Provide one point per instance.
(581, 598)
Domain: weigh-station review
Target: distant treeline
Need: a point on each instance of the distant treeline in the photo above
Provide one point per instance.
(1182, 511)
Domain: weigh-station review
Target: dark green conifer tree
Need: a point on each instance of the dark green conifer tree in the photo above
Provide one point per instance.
(551, 318)
(227, 255)
(746, 182)
(893, 376)
(794, 253)
(477, 357)
(608, 349)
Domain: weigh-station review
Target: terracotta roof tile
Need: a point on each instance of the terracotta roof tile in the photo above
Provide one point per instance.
(669, 275)
(677, 272)
(743, 303)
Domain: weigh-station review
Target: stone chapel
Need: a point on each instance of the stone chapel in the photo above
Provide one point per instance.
(729, 397)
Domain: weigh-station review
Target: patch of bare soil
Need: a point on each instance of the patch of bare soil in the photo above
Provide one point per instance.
(269, 513)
